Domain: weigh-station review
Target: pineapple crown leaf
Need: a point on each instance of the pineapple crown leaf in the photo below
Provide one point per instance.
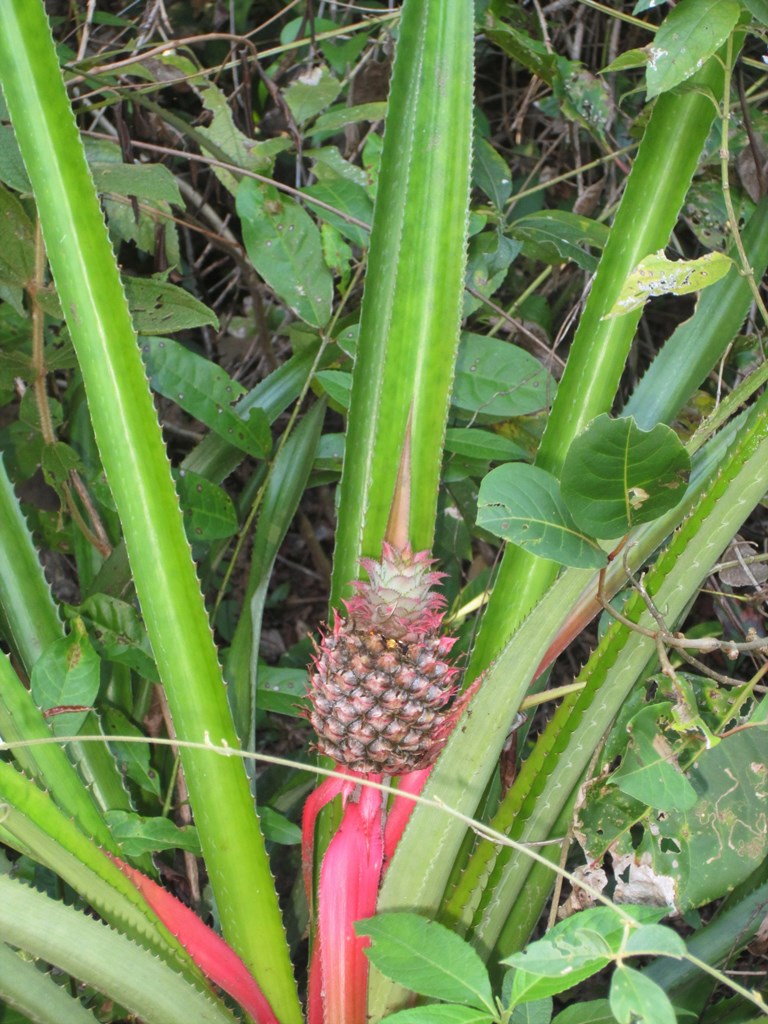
(397, 598)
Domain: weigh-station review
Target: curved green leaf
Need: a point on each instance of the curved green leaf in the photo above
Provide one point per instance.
(523, 504)
(617, 476)
(496, 380)
(633, 997)
(101, 957)
(136, 464)
(206, 392)
(26, 989)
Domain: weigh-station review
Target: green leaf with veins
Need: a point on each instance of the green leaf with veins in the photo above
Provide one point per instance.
(283, 244)
(617, 476)
(427, 958)
(523, 504)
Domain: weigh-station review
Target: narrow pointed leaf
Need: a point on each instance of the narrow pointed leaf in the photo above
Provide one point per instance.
(103, 958)
(209, 951)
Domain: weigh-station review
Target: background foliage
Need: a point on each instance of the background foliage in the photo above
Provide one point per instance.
(236, 151)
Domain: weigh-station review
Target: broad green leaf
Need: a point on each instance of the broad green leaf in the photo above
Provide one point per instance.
(523, 48)
(523, 504)
(617, 476)
(312, 91)
(596, 1011)
(687, 37)
(17, 241)
(283, 690)
(573, 950)
(488, 260)
(224, 136)
(208, 510)
(67, 674)
(626, 60)
(496, 380)
(206, 392)
(635, 998)
(559, 236)
(648, 771)
(340, 117)
(548, 968)
(539, 1011)
(584, 98)
(118, 633)
(134, 757)
(758, 9)
(283, 244)
(58, 461)
(137, 835)
(440, 1013)
(158, 307)
(427, 958)
(656, 275)
(337, 384)
(12, 170)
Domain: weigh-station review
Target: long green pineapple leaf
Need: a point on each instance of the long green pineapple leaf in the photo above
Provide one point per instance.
(103, 958)
(414, 284)
(284, 488)
(34, 825)
(654, 193)
(37, 996)
(132, 452)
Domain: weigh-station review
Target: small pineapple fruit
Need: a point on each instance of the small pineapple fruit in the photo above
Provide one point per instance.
(381, 685)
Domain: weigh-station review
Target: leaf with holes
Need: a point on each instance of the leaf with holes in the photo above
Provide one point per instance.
(158, 307)
(656, 275)
(523, 504)
(633, 997)
(616, 475)
(283, 244)
(648, 771)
